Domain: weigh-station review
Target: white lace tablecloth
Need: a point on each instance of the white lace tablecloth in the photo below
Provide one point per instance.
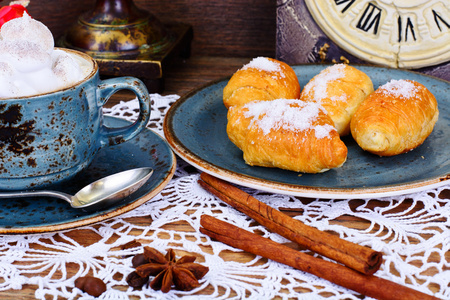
(415, 245)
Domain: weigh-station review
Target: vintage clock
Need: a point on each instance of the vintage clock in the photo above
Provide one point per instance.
(413, 34)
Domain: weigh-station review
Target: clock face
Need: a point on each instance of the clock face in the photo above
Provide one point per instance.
(396, 33)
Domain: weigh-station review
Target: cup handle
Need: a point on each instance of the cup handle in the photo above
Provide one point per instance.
(106, 88)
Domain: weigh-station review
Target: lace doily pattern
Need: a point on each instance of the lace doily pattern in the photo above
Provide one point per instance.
(415, 242)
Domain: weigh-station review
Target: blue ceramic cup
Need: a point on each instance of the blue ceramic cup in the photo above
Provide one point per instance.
(48, 138)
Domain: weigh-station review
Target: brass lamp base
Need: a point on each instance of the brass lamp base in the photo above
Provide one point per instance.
(125, 40)
(150, 68)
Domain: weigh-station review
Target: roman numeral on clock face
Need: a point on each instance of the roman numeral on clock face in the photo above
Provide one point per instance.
(370, 19)
(439, 20)
(405, 31)
(346, 3)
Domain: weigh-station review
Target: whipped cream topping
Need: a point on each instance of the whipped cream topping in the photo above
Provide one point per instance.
(29, 63)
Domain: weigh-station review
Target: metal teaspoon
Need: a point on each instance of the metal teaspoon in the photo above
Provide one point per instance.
(100, 193)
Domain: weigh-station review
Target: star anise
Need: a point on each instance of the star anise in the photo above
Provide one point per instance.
(168, 271)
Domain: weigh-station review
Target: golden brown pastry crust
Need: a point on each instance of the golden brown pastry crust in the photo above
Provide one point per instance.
(340, 89)
(261, 79)
(396, 118)
(287, 134)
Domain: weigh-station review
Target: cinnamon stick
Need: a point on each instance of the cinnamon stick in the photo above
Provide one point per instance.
(368, 285)
(357, 257)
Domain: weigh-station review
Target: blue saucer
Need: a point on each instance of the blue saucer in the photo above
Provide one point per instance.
(33, 215)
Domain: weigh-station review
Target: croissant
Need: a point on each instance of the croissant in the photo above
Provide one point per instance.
(340, 89)
(287, 134)
(261, 79)
(396, 118)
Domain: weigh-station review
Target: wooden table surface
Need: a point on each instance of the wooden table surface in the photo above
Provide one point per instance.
(181, 78)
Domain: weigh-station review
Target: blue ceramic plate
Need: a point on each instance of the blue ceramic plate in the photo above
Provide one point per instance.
(195, 128)
(32, 215)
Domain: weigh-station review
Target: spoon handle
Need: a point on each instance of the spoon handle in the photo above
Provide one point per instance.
(42, 193)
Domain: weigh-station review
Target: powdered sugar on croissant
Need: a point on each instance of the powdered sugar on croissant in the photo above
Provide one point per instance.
(340, 89)
(261, 79)
(287, 134)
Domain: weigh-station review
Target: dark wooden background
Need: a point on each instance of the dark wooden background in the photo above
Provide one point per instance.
(238, 28)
